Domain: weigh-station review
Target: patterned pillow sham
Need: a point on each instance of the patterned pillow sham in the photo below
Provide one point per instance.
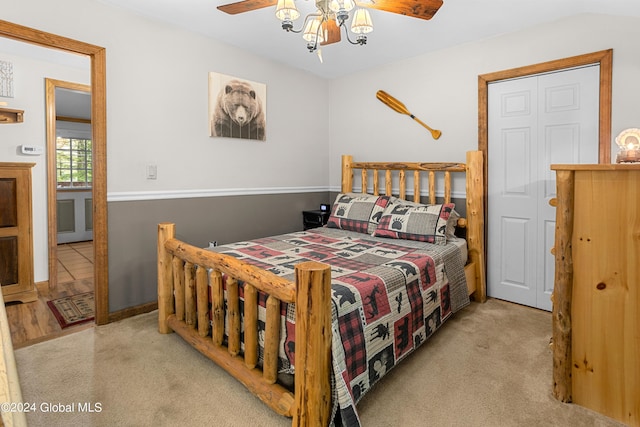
(452, 222)
(425, 223)
(357, 212)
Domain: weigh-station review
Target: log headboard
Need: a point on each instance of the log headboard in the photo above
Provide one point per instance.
(372, 173)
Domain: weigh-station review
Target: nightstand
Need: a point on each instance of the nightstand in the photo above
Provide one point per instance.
(314, 218)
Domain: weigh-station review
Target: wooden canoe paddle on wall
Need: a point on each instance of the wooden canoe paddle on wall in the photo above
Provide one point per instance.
(398, 106)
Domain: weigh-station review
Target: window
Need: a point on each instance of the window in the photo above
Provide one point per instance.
(73, 162)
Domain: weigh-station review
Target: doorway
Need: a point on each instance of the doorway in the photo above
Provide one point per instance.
(69, 179)
(602, 59)
(97, 56)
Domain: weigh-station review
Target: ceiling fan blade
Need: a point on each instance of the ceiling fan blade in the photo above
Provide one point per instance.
(246, 6)
(422, 9)
(331, 31)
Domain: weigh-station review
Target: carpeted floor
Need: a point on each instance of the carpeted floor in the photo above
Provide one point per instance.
(488, 366)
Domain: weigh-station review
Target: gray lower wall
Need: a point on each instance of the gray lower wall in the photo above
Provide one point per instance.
(133, 232)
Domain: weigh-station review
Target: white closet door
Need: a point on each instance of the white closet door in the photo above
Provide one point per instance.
(533, 122)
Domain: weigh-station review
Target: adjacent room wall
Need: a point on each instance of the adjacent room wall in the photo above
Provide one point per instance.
(29, 95)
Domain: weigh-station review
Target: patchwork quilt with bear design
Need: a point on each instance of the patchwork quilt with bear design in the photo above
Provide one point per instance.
(388, 295)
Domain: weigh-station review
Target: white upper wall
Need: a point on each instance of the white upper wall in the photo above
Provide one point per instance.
(157, 104)
(441, 89)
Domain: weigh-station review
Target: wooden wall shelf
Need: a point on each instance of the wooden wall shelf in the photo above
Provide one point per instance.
(7, 115)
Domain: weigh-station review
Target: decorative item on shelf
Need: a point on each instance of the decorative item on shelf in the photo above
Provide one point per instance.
(398, 106)
(323, 26)
(6, 79)
(629, 146)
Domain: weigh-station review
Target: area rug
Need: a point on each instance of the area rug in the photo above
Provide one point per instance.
(73, 310)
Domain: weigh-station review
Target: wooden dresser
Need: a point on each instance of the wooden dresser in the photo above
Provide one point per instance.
(16, 242)
(596, 298)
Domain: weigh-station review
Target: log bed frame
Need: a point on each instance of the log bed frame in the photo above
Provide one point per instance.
(186, 272)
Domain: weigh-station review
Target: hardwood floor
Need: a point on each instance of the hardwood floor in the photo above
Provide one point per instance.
(34, 322)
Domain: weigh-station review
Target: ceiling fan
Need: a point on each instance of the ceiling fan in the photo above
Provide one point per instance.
(323, 26)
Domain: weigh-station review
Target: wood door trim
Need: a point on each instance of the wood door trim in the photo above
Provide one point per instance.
(52, 187)
(603, 58)
(97, 56)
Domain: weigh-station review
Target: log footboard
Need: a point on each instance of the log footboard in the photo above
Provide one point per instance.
(186, 276)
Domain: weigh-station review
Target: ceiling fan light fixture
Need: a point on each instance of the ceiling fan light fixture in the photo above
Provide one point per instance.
(361, 22)
(334, 15)
(287, 12)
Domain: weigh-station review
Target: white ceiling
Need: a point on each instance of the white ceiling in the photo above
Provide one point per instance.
(72, 103)
(394, 37)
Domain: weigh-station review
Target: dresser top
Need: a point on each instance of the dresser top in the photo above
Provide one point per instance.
(598, 167)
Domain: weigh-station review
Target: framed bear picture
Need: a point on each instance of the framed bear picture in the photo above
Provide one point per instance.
(237, 107)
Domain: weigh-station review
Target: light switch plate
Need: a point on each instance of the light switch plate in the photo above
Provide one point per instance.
(152, 172)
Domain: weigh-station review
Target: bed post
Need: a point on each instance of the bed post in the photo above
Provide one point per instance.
(563, 289)
(313, 345)
(347, 173)
(475, 216)
(166, 231)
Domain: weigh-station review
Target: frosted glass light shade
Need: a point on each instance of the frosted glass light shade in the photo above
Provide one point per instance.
(313, 31)
(361, 22)
(286, 10)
